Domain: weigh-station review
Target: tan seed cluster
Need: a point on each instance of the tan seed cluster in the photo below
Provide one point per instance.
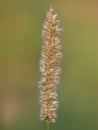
(49, 67)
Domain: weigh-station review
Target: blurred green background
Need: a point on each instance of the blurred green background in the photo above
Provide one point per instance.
(21, 24)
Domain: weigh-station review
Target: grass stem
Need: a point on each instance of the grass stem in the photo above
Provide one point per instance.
(47, 125)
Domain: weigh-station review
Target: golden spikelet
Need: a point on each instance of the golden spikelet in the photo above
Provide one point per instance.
(49, 67)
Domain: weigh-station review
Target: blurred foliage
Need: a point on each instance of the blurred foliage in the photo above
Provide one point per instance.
(20, 47)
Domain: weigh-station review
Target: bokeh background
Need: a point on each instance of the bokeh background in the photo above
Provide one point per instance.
(20, 47)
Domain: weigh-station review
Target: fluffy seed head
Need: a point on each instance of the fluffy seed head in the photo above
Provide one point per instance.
(49, 67)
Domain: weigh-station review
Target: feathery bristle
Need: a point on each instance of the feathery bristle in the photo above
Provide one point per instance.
(49, 67)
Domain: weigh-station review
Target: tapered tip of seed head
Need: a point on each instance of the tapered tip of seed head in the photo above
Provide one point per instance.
(51, 8)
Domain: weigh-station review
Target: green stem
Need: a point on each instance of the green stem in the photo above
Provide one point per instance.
(47, 125)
